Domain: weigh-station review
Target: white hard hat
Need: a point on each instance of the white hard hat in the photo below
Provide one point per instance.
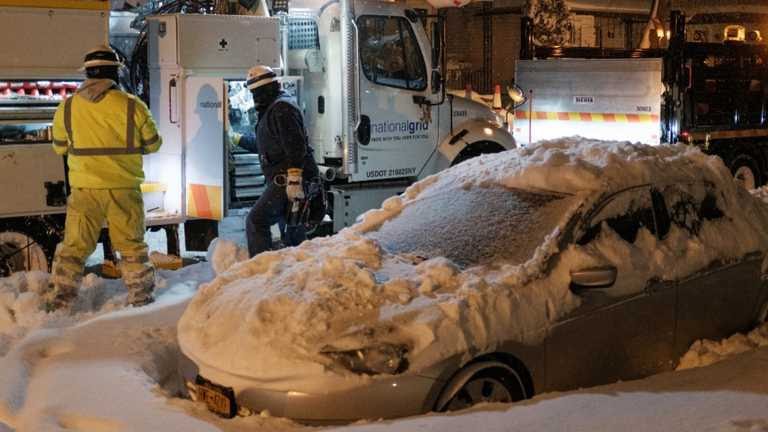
(102, 55)
(260, 75)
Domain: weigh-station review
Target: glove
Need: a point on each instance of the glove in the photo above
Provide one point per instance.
(234, 139)
(293, 184)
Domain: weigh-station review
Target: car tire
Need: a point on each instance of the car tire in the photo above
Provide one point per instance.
(746, 171)
(493, 385)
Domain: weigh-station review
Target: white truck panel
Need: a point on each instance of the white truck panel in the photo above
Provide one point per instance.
(593, 98)
(194, 41)
(48, 43)
(204, 146)
(164, 167)
(24, 169)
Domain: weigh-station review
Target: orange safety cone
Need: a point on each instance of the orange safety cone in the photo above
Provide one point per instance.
(497, 98)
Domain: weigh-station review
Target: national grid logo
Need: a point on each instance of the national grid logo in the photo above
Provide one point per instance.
(409, 127)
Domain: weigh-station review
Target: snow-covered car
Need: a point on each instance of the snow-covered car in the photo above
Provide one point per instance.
(569, 264)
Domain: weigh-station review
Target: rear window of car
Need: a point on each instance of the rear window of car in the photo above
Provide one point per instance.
(475, 226)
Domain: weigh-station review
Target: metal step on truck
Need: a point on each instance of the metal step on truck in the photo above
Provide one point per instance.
(364, 72)
(707, 94)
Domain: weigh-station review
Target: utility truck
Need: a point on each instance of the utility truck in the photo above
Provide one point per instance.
(364, 72)
(712, 95)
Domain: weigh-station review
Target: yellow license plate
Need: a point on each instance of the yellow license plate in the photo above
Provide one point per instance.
(215, 400)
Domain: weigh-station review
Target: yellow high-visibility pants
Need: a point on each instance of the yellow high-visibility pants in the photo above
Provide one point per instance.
(87, 209)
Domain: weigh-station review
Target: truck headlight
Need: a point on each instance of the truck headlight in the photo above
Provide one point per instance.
(382, 359)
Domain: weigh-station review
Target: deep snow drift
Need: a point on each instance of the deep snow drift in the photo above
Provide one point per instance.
(347, 292)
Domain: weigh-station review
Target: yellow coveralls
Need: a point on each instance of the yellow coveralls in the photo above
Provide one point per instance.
(104, 132)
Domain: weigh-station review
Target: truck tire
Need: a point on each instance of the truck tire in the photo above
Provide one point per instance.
(746, 171)
(19, 252)
(476, 149)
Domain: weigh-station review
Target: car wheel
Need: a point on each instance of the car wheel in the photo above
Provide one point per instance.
(745, 172)
(496, 384)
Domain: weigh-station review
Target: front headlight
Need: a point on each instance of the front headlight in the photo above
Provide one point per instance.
(381, 359)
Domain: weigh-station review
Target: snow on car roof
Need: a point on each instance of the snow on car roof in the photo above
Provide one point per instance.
(567, 165)
(268, 319)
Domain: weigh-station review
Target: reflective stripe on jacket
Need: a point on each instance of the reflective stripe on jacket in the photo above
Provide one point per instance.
(105, 132)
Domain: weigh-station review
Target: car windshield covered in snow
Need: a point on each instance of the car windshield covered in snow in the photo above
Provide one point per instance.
(477, 226)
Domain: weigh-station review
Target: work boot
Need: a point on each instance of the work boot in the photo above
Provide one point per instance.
(140, 286)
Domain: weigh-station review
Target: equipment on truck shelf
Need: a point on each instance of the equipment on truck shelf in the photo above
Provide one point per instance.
(712, 95)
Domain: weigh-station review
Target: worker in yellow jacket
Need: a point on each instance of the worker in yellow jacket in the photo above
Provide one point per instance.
(104, 132)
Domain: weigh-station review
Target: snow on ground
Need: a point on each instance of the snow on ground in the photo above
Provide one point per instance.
(116, 372)
(707, 352)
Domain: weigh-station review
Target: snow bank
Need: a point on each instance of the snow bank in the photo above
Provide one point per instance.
(706, 352)
(271, 317)
(100, 368)
(222, 254)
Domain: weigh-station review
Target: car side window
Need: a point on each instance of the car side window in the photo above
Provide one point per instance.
(688, 206)
(710, 208)
(683, 207)
(626, 213)
(389, 53)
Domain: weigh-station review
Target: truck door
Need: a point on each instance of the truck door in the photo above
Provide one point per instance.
(204, 152)
(393, 70)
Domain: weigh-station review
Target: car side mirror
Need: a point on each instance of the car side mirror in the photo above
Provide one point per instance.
(595, 277)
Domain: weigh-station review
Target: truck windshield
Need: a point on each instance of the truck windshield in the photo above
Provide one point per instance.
(476, 226)
(389, 53)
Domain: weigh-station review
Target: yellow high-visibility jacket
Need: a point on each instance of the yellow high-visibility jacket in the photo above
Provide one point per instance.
(104, 131)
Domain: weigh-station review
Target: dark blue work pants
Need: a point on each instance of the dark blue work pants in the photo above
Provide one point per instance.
(270, 209)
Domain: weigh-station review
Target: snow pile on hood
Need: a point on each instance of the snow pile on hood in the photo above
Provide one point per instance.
(271, 318)
(706, 352)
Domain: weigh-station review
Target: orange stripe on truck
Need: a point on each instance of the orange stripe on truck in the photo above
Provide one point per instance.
(588, 117)
(204, 201)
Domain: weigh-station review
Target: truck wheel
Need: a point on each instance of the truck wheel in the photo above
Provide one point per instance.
(476, 149)
(19, 252)
(745, 172)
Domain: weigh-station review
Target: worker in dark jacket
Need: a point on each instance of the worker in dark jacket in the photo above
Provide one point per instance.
(285, 156)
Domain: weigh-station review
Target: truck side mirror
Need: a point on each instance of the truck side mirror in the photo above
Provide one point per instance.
(436, 42)
(437, 81)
